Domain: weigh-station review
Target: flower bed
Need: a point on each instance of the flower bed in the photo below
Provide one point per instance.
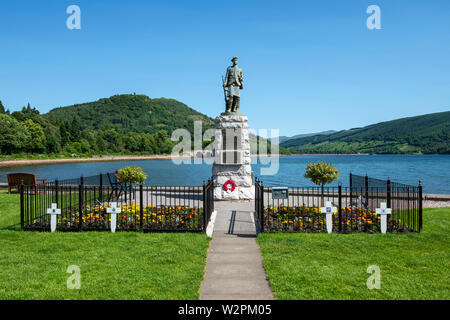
(171, 218)
(310, 219)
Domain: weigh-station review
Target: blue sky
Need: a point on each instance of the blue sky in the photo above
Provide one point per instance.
(308, 65)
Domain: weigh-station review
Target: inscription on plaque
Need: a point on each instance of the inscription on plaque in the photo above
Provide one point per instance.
(231, 146)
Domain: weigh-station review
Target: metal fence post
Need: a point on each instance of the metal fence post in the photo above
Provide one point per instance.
(261, 206)
(22, 207)
(366, 185)
(80, 206)
(141, 206)
(388, 193)
(83, 190)
(56, 193)
(340, 207)
(211, 197)
(257, 200)
(256, 195)
(212, 194)
(205, 206)
(100, 196)
(351, 188)
(420, 206)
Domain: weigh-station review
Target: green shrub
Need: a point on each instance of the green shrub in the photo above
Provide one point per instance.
(132, 174)
(321, 173)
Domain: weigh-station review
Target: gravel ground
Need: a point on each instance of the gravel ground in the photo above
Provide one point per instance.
(435, 204)
(436, 200)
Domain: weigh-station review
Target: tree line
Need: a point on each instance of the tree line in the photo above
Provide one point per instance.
(27, 131)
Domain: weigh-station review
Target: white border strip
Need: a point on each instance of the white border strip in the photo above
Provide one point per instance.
(210, 227)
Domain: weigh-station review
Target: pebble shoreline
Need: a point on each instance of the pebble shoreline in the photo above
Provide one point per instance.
(25, 162)
(435, 204)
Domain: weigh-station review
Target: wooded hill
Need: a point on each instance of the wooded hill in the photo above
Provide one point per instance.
(427, 134)
(282, 139)
(132, 113)
(121, 124)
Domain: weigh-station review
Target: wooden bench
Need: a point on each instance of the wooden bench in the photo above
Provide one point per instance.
(15, 180)
(116, 186)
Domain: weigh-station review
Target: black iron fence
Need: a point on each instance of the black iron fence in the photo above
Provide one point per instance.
(355, 208)
(142, 208)
(95, 180)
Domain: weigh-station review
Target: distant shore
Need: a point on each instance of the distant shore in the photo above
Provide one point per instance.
(331, 154)
(26, 162)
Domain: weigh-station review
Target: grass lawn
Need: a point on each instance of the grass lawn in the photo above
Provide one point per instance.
(124, 265)
(322, 266)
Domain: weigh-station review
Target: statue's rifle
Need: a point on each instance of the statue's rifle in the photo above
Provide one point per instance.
(224, 91)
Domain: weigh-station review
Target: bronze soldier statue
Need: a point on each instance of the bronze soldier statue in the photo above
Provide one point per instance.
(234, 82)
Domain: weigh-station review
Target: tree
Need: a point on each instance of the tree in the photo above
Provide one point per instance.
(12, 135)
(36, 141)
(64, 133)
(51, 144)
(131, 141)
(2, 108)
(85, 146)
(75, 133)
(29, 109)
(321, 173)
(112, 138)
(89, 135)
(101, 144)
(150, 139)
(163, 142)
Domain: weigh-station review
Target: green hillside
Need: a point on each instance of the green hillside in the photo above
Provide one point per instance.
(255, 142)
(282, 139)
(428, 134)
(132, 113)
(125, 124)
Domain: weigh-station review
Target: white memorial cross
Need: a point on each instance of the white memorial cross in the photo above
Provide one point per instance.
(329, 210)
(114, 211)
(53, 211)
(383, 211)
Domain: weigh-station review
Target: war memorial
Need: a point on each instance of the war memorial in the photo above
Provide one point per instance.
(136, 161)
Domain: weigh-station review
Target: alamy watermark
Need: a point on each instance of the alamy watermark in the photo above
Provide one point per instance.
(74, 20)
(374, 281)
(74, 280)
(209, 146)
(374, 20)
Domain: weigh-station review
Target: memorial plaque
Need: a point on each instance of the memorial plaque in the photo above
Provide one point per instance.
(280, 193)
(231, 152)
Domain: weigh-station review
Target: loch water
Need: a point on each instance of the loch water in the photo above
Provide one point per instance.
(432, 170)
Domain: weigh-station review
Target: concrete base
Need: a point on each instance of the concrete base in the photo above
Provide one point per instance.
(240, 193)
(239, 173)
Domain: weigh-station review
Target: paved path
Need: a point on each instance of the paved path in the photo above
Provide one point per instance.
(234, 267)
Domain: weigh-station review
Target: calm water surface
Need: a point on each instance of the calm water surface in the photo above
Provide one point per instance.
(434, 171)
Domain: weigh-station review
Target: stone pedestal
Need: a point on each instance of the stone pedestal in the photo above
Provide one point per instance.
(232, 159)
